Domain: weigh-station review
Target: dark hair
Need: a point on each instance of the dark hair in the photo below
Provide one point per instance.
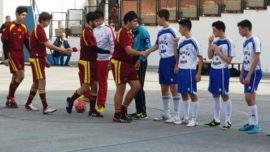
(100, 14)
(91, 16)
(163, 13)
(44, 16)
(245, 23)
(129, 16)
(186, 23)
(21, 9)
(219, 25)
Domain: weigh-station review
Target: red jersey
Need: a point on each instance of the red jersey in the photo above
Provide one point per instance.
(37, 40)
(16, 35)
(124, 38)
(87, 41)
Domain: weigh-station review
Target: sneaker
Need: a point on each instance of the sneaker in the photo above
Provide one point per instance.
(100, 108)
(48, 110)
(30, 107)
(135, 115)
(11, 103)
(254, 129)
(192, 123)
(182, 122)
(172, 120)
(213, 123)
(95, 113)
(122, 119)
(268, 134)
(162, 118)
(246, 127)
(227, 125)
(143, 115)
(69, 106)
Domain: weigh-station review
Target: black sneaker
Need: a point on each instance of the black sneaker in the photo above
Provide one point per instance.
(69, 106)
(227, 126)
(213, 123)
(122, 119)
(135, 115)
(11, 103)
(95, 113)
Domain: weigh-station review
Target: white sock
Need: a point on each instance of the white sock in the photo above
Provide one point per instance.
(228, 110)
(194, 109)
(176, 104)
(186, 107)
(254, 115)
(217, 107)
(166, 105)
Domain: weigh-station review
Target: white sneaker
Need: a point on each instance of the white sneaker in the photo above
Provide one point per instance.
(182, 122)
(48, 110)
(192, 123)
(172, 120)
(163, 117)
(31, 108)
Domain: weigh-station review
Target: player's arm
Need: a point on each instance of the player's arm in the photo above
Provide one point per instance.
(227, 59)
(200, 65)
(49, 45)
(176, 54)
(133, 52)
(100, 50)
(256, 59)
(241, 74)
(210, 47)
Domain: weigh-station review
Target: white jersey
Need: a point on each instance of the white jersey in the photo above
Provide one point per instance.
(189, 50)
(226, 46)
(251, 46)
(165, 41)
(105, 39)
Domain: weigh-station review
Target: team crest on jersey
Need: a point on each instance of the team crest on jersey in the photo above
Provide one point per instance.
(19, 29)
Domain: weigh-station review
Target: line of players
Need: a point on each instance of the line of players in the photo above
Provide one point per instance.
(177, 68)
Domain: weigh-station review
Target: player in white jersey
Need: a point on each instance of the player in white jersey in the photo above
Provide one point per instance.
(188, 53)
(221, 52)
(167, 77)
(251, 74)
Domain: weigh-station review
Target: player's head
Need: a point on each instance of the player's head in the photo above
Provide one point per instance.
(244, 27)
(100, 15)
(218, 28)
(163, 16)
(185, 26)
(21, 13)
(92, 19)
(8, 19)
(131, 20)
(44, 18)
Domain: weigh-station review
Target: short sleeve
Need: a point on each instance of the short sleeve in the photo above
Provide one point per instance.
(41, 35)
(257, 44)
(125, 39)
(198, 47)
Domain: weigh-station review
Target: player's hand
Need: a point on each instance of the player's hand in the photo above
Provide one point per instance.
(109, 66)
(216, 49)
(68, 51)
(144, 53)
(246, 80)
(198, 77)
(137, 65)
(241, 78)
(211, 38)
(176, 40)
(176, 69)
(48, 64)
(6, 62)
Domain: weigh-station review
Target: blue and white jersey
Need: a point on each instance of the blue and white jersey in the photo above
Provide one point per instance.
(165, 41)
(188, 50)
(251, 46)
(226, 46)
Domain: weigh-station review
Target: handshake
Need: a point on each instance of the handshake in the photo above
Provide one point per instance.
(144, 53)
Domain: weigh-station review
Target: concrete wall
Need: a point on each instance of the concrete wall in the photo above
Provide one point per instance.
(202, 30)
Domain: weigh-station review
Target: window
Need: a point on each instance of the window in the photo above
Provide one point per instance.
(188, 9)
(255, 4)
(232, 6)
(129, 5)
(170, 5)
(148, 10)
(210, 7)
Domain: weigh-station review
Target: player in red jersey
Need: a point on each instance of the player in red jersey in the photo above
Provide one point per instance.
(88, 66)
(38, 61)
(14, 38)
(123, 67)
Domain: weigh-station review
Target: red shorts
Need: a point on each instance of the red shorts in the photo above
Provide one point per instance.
(38, 68)
(87, 71)
(123, 72)
(16, 61)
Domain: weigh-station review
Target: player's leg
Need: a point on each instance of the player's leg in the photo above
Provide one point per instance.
(102, 85)
(228, 111)
(165, 92)
(118, 99)
(32, 94)
(93, 100)
(176, 102)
